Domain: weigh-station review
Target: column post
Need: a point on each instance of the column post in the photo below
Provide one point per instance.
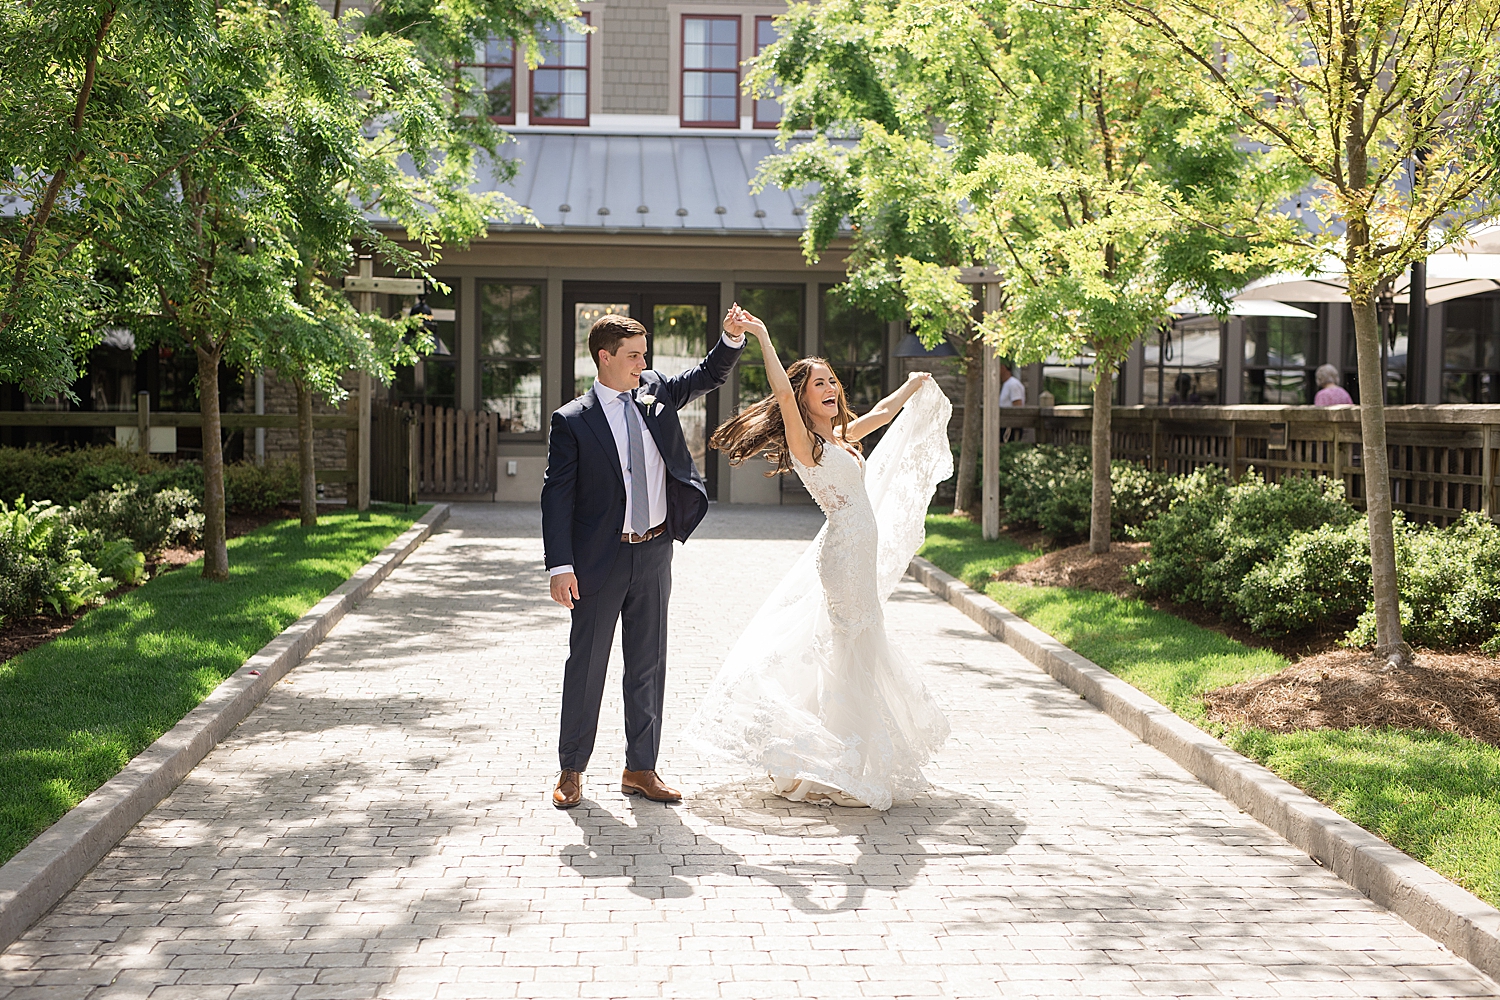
(990, 520)
(362, 380)
(143, 422)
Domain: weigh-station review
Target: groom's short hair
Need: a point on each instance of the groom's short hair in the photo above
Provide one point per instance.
(609, 330)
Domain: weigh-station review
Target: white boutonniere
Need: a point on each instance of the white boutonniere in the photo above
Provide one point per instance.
(649, 401)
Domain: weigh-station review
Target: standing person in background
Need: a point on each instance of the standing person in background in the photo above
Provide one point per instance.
(1330, 393)
(1012, 393)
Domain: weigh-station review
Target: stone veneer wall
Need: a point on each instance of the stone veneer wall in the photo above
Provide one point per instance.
(329, 446)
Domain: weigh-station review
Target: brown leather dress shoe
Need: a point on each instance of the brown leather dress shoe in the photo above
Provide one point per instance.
(569, 790)
(649, 784)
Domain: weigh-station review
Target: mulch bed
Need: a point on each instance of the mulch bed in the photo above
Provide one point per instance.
(1076, 566)
(1343, 688)
(1327, 687)
(21, 634)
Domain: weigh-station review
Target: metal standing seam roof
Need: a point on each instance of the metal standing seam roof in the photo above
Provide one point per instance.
(663, 183)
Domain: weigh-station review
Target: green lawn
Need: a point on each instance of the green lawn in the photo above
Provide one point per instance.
(75, 711)
(955, 544)
(1435, 796)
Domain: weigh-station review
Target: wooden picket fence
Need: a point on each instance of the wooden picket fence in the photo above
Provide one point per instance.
(1444, 460)
(456, 453)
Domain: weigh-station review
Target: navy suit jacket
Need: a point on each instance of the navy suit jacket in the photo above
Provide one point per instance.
(583, 497)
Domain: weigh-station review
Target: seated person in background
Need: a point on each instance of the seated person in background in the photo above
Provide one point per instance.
(1185, 393)
(1330, 393)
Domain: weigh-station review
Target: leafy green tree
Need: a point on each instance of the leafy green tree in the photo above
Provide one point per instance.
(1391, 107)
(331, 125)
(1062, 145)
(80, 87)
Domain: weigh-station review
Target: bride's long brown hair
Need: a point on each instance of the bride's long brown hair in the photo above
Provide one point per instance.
(759, 428)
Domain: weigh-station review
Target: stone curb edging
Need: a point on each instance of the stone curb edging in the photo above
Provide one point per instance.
(47, 868)
(1429, 902)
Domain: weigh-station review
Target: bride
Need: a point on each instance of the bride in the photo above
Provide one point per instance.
(814, 693)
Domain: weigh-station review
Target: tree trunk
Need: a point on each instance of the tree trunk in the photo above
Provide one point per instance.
(1100, 453)
(307, 479)
(215, 551)
(968, 447)
(1376, 464)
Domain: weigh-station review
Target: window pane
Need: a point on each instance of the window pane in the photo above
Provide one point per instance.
(560, 94)
(864, 385)
(1464, 319)
(584, 314)
(510, 320)
(710, 97)
(710, 43)
(851, 334)
(781, 310)
(1282, 386)
(561, 45)
(679, 337)
(513, 389)
(499, 50)
(499, 88)
(765, 33)
(1280, 341)
(431, 381)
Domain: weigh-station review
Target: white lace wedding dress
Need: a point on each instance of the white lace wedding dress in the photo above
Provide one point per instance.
(814, 694)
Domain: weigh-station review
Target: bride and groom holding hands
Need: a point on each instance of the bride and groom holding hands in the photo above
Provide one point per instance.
(813, 694)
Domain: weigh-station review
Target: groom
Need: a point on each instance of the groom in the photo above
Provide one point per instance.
(621, 485)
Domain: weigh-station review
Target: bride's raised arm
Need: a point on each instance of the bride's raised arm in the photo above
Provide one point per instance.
(798, 437)
(885, 411)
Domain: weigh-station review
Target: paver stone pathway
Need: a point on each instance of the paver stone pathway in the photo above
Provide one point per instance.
(380, 827)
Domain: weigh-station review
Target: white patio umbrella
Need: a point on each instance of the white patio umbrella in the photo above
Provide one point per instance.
(1467, 268)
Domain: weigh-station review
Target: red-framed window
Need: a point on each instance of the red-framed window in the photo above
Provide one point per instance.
(767, 109)
(496, 72)
(560, 85)
(711, 70)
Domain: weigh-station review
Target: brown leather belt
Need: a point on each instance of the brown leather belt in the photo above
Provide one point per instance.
(634, 539)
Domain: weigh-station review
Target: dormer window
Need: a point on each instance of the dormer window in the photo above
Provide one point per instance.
(711, 71)
(560, 85)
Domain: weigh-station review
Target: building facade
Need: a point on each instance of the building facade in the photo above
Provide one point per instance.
(636, 153)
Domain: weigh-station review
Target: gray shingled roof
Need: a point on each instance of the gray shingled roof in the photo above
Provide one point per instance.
(584, 180)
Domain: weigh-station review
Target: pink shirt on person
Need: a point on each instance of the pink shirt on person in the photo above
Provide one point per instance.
(1332, 395)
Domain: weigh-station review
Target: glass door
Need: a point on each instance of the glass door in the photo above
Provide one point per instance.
(680, 322)
(678, 342)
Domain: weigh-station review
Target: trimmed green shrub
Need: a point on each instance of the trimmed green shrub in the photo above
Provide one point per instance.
(1184, 540)
(1051, 488)
(1318, 576)
(40, 564)
(254, 488)
(1205, 546)
(1450, 585)
(150, 521)
(66, 477)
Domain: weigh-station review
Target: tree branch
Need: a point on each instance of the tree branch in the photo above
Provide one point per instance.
(54, 187)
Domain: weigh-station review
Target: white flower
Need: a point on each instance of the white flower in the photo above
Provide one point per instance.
(645, 400)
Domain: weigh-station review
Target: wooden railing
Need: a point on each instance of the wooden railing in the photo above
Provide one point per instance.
(143, 418)
(1444, 459)
(456, 453)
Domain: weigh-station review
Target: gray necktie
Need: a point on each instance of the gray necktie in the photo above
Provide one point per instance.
(640, 490)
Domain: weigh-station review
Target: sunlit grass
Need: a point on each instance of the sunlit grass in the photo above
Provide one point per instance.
(76, 710)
